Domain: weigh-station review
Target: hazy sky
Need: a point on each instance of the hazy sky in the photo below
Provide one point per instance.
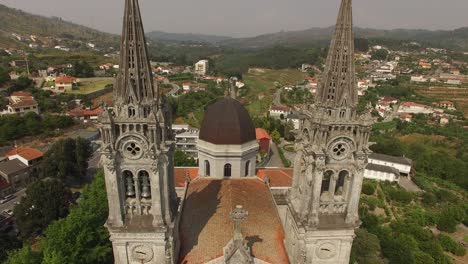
(252, 17)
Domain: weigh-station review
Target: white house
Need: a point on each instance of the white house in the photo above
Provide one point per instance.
(414, 108)
(295, 119)
(401, 164)
(277, 111)
(381, 173)
(187, 142)
(201, 67)
(418, 78)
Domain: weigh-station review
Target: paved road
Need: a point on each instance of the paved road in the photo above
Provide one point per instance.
(275, 160)
(277, 98)
(408, 184)
(175, 90)
(11, 204)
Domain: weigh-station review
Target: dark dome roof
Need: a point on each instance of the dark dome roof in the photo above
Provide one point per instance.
(227, 122)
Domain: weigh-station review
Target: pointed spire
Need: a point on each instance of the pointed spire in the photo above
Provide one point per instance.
(134, 83)
(338, 84)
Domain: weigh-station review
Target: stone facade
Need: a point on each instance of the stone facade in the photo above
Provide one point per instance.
(214, 160)
(332, 150)
(137, 156)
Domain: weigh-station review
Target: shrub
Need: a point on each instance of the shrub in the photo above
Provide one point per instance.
(368, 188)
(450, 245)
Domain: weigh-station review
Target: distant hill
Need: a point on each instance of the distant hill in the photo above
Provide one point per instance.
(455, 39)
(14, 21)
(185, 37)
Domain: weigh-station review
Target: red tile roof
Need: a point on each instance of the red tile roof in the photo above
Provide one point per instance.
(262, 134)
(206, 227)
(64, 79)
(21, 94)
(180, 175)
(279, 108)
(446, 102)
(78, 112)
(408, 104)
(24, 103)
(388, 99)
(27, 153)
(278, 177)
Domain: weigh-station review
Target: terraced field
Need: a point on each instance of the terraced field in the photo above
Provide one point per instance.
(263, 83)
(457, 95)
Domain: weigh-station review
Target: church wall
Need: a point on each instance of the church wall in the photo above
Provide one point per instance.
(220, 155)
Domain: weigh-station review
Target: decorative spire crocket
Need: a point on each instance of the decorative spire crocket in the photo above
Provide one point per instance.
(337, 87)
(134, 84)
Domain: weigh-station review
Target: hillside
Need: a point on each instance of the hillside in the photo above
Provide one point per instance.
(14, 21)
(185, 37)
(457, 39)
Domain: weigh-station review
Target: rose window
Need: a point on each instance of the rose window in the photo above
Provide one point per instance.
(339, 149)
(133, 149)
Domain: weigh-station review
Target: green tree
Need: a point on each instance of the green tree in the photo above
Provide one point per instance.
(24, 255)
(380, 54)
(366, 248)
(7, 243)
(181, 159)
(45, 201)
(276, 136)
(67, 158)
(4, 76)
(81, 237)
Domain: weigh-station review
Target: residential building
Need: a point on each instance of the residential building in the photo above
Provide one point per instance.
(295, 119)
(406, 117)
(202, 67)
(414, 108)
(21, 103)
(447, 105)
(64, 83)
(194, 87)
(15, 173)
(187, 142)
(381, 173)
(401, 164)
(28, 156)
(85, 115)
(278, 111)
(177, 129)
(453, 82)
(264, 140)
(418, 78)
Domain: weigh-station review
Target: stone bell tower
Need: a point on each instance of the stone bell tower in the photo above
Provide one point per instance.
(332, 151)
(137, 157)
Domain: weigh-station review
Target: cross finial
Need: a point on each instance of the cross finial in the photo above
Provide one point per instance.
(238, 215)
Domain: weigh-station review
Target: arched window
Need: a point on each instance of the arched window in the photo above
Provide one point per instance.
(144, 183)
(326, 182)
(129, 184)
(227, 170)
(247, 168)
(340, 184)
(207, 168)
(131, 111)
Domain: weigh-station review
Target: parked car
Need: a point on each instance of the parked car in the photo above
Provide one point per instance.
(8, 212)
(7, 198)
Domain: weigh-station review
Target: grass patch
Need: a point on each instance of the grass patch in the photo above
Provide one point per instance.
(286, 162)
(262, 85)
(87, 87)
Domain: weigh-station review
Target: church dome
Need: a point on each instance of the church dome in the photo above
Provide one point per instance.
(227, 122)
